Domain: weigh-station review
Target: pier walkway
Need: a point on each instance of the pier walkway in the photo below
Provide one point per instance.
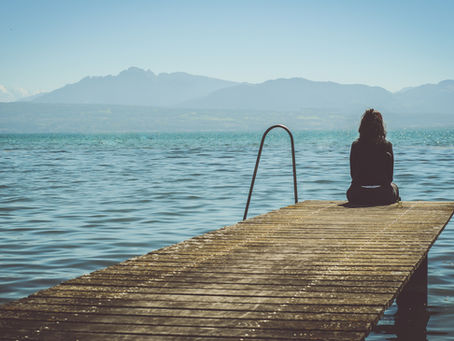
(316, 270)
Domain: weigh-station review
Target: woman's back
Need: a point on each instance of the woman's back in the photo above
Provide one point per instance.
(371, 163)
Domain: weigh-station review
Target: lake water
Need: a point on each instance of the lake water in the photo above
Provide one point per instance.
(70, 204)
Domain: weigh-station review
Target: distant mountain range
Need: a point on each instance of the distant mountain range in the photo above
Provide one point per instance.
(136, 100)
(302, 95)
(135, 86)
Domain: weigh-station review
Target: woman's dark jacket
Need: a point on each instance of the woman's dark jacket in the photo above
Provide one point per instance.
(371, 163)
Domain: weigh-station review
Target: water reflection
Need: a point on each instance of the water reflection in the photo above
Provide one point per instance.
(405, 326)
(412, 315)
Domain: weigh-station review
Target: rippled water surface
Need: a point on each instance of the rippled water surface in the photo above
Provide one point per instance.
(70, 204)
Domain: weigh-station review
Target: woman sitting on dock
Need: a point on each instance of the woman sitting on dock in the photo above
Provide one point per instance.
(371, 164)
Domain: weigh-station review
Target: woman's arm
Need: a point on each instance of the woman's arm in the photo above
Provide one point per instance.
(354, 163)
(389, 163)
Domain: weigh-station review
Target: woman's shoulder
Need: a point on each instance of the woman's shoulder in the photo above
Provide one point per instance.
(387, 144)
(356, 143)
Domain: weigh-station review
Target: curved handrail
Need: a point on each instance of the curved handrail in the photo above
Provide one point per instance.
(295, 189)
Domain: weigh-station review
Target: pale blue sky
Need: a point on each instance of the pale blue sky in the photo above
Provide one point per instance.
(392, 44)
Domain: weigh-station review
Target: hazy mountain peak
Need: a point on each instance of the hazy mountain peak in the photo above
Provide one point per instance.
(447, 83)
(134, 69)
(135, 72)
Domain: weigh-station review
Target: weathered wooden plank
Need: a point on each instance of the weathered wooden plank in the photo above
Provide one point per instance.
(54, 334)
(236, 287)
(83, 304)
(309, 297)
(48, 312)
(318, 270)
(229, 328)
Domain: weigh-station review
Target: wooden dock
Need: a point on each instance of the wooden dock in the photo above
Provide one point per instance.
(317, 270)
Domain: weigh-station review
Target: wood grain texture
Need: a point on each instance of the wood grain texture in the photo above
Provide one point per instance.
(317, 270)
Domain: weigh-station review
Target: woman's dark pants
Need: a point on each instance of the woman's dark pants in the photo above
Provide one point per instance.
(383, 195)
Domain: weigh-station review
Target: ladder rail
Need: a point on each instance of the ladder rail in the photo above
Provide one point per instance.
(295, 188)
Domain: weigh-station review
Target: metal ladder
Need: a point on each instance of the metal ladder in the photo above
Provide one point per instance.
(295, 189)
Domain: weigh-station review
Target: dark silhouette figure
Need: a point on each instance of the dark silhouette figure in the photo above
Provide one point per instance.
(372, 164)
